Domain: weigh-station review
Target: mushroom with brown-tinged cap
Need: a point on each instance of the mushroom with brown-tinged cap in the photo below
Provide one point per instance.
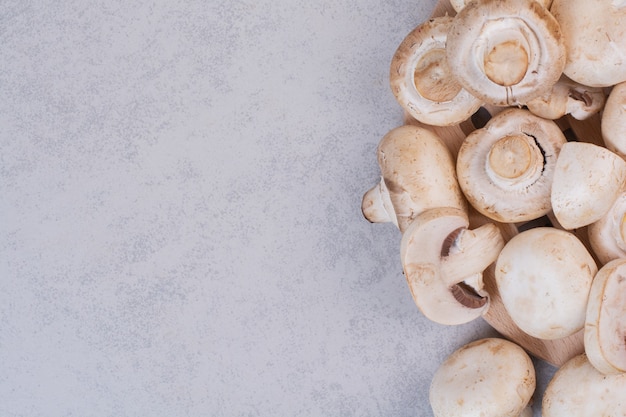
(568, 97)
(505, 169)
(605, 325)
(505, 52)
(577, 389)
(613, 123)
(587, 180)
(544, 276)
(595, 36)
(443, 262)
(418, 173)
(607, 236)
(421, 81)
(489, 377)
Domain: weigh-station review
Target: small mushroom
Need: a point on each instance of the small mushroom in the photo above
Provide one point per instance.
(613, 123)
(577, 389)
(544, 277)
(421, 81)
(605, 325)
(443, 263)
(568, 97)
(595, 40)
(418, 173)
(505, 169)
(505, 52)
(587, 180)
(607, 236)
(489, 377)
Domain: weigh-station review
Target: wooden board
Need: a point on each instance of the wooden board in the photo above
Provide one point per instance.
(555, 352)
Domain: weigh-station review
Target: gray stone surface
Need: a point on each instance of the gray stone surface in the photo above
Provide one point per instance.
(180, 187)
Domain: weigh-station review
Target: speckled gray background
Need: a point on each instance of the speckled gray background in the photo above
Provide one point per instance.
(180, 187)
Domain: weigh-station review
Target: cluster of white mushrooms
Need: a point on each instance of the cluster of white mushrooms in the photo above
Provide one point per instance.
(530, 64)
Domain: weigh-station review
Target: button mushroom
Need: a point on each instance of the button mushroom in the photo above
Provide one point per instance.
(505, 169)
(505, 52)
(607, 236)
(418, 173)
(613, 123)
(443, 263)
(587, 180)
(489, 377)
(596, 40)
(421, 81)
(544, 277)
(605, 325)
(577, 389)
(568, 97)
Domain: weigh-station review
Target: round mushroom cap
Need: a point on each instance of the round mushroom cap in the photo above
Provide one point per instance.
(544, 276)
(577, 389)
(595, 40)
(587, 180)
(605, 325)
(422, 82)
(505, 52)
(489, 377)
(505, 169)
(613, 123)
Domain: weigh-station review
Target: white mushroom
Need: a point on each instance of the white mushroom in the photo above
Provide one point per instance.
(505, 52)
(605, 325)
(458, 5)
(505, 169)
(607, 236)
(577, 389)
(544, 277)
(418, 173)
(489, 377)
(421, 81)
(595, 36)
(614, 120)
(441, 258)
(587, 180)
(568, 97)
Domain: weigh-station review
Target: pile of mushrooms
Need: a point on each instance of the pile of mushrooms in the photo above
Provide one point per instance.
(510, 75)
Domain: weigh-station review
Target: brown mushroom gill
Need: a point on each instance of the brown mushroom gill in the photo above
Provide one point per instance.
(466, 295)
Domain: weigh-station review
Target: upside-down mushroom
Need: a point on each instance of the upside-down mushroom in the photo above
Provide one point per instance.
(505, 52)
(417, 174)
(443, 262)
(489, 377)
(544, 277)
(421, 80)
(505, 169)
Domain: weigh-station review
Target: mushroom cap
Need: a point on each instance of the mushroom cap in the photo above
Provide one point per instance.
(605, 325)
(489, 377)
(505, 169)
(607, 236)
(568, 97)
(421, 80)
(587, 180)
(458, 5)
(595, 40)
(577, 389)
(544, 277)
(423, 250)
(418, 171)
(505, 52)
(613, 123)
